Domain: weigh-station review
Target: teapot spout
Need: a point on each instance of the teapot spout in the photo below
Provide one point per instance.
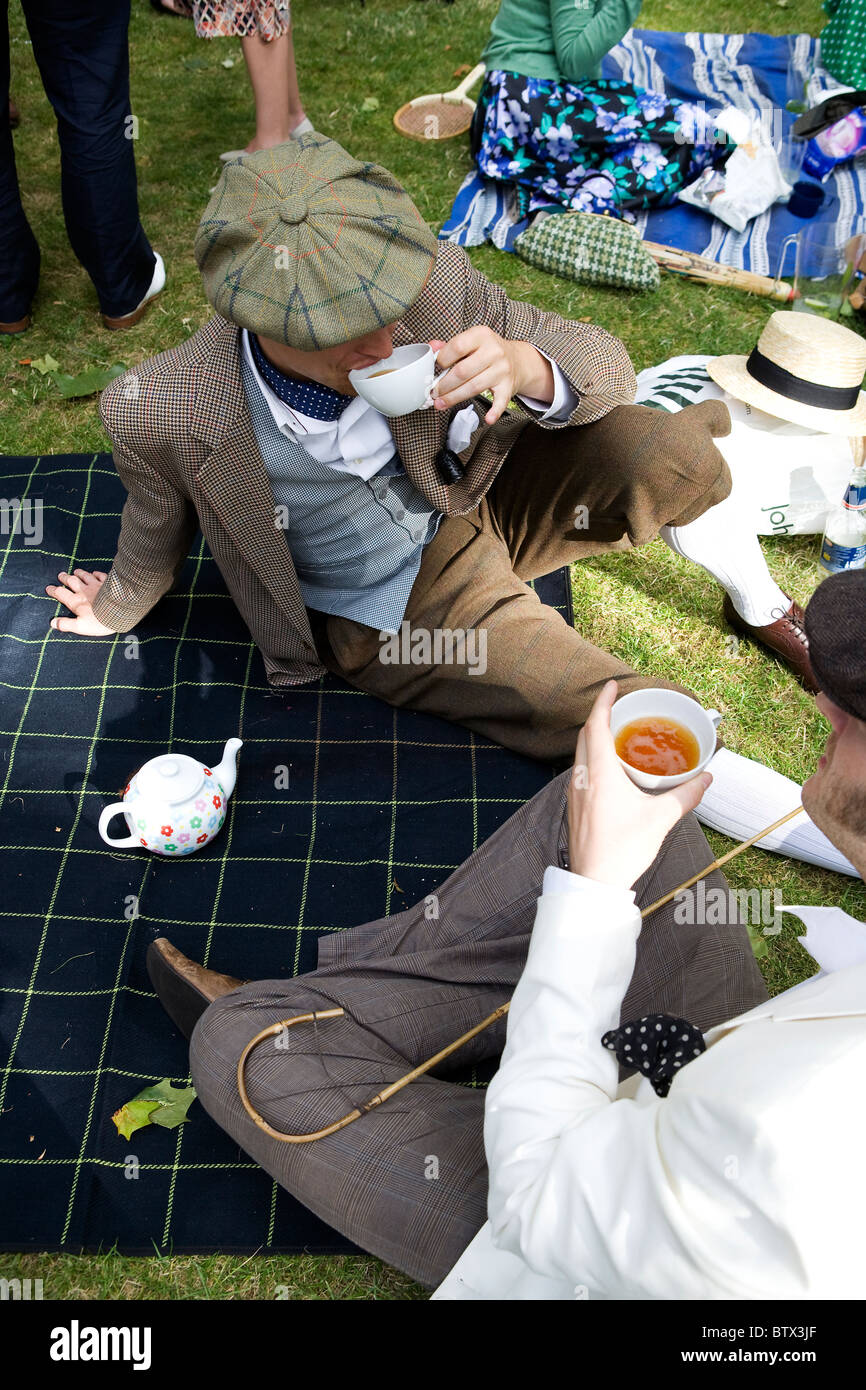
(226, 772)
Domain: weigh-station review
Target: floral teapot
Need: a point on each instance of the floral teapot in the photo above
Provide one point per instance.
(173, 805)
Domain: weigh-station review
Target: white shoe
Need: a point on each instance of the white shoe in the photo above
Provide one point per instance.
(157, 285)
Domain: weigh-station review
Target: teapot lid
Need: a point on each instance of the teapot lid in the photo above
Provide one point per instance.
(171, 778)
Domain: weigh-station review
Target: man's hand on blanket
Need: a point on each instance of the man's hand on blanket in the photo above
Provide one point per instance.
(479, 360)
(615, 830)
(78, 591)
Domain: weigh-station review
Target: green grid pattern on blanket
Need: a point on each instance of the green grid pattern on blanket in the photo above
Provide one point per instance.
(380, 805)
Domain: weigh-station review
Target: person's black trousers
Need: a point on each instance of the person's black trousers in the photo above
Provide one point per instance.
(81, 48)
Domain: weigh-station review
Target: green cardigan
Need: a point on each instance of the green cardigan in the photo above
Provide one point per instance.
(843, 42)
(562, 39)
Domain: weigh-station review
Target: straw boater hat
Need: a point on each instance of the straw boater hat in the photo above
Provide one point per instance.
(804, 369)
(310, 247)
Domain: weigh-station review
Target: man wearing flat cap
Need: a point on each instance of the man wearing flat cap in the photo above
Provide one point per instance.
(335, 527)
(722, 1159)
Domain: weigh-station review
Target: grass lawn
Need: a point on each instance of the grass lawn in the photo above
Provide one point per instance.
(651, 608)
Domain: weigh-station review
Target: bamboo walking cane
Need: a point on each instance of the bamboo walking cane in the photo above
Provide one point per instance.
(381, 1096)
(691, 266)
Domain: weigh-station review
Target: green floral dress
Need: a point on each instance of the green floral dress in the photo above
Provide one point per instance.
(843, 42)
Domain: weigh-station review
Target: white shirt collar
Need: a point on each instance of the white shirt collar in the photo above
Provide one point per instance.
(285, 417)
(359, 441)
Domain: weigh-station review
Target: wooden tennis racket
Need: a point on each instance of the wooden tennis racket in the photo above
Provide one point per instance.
(439, 115)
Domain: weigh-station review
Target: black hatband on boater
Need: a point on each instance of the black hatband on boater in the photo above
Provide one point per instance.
(784, 383)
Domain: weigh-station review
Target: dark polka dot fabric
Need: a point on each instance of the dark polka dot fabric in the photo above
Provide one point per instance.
(315, 401)
(657, 1046)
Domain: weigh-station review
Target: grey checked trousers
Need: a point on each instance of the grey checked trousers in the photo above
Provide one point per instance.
(410, 985)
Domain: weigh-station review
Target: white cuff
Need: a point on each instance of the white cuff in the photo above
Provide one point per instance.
(606, 895)
(565, 399)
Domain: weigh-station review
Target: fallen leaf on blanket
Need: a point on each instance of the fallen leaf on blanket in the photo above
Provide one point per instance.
(132, 1116)
(462, 70)
(163, 1104)
(172, 1102)
(45, 364)
(88, 382)
(370, 104)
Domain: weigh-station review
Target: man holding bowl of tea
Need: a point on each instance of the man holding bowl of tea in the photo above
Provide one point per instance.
(350, 490)
(721, 1159)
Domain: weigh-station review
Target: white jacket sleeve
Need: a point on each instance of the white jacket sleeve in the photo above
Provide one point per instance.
(623, 1198)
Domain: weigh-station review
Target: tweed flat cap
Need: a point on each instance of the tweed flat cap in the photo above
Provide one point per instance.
(836, 628)
(307, 246)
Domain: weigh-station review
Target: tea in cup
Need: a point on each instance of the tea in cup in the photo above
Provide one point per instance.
(662, 738)
(398, 384)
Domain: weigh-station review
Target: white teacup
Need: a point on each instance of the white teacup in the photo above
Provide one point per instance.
(668, 704)
(398, 384)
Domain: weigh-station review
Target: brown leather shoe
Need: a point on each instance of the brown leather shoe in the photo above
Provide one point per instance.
(128, 319)
(19, 326)
(184, 988)
(785, 638)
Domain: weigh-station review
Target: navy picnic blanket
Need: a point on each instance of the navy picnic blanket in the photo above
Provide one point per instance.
(748, 71)
(380, 806)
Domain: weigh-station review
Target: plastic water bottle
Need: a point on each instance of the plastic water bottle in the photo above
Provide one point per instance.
(844, 543)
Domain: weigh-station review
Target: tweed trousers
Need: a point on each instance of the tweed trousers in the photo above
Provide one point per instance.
(408, 1182)
(558, 497)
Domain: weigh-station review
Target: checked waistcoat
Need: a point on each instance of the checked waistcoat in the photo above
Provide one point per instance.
(356, 545)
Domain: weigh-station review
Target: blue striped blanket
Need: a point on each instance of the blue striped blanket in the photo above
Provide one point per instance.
(748, 71)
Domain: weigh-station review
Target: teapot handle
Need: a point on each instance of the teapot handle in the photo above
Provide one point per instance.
(108, 814)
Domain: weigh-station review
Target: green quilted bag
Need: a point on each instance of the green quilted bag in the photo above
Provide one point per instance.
(590, 248)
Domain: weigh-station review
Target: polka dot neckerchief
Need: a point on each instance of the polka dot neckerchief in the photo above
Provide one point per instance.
(307, 397)
(657, 1046)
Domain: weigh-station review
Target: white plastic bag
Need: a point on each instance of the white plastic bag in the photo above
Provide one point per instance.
(747, 184)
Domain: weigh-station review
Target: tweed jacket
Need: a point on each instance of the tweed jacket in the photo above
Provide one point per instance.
(185, 449)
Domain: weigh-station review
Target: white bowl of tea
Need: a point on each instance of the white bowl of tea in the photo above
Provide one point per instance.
(662, 738)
